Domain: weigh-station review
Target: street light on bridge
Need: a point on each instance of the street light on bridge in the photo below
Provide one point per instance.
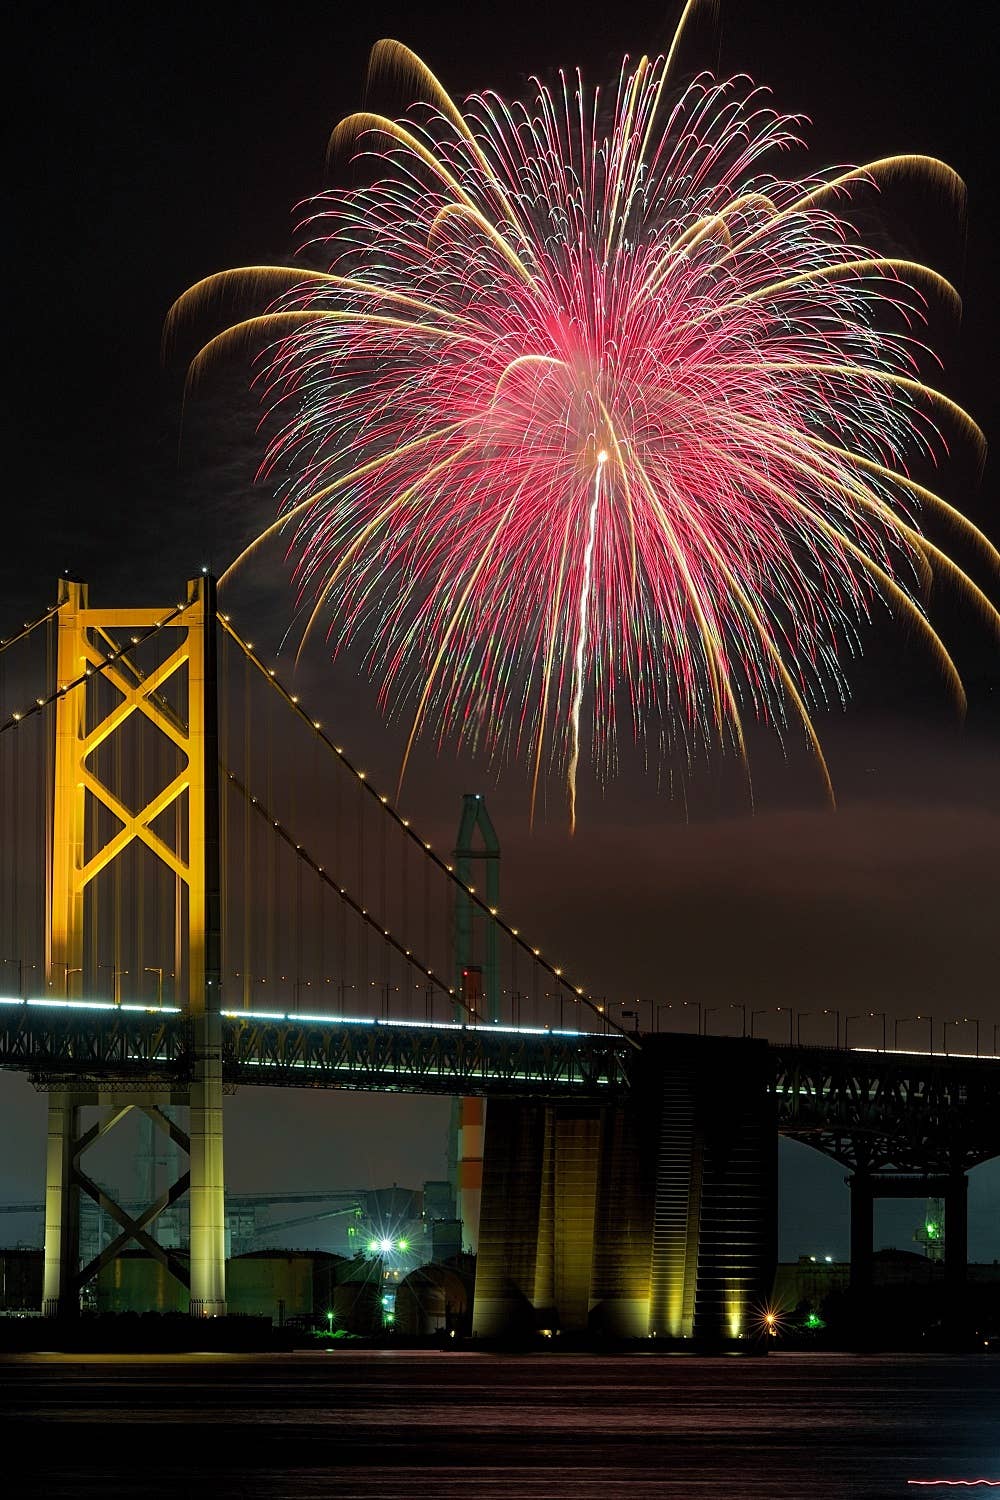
(965, 1021)
(930, 1031)
(778, 1009)
(116, 980)
(740, 1007)
(753, 1016)
(697, 1004)
(67, 971)
(867, 1015)
(835, 1013)
(153, 969)
(709, 1011)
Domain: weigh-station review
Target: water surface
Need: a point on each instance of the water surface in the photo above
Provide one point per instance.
(392, 1424)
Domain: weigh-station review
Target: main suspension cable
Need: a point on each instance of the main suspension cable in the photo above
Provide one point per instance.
(97, 669)
(576, 992)
(27, 628)
(319, 870)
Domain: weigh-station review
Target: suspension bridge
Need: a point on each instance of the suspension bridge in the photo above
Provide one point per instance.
(201, 891)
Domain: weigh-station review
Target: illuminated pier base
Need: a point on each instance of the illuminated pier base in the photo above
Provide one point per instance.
(654, 1217)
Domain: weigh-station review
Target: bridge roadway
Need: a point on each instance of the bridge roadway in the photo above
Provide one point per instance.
(871, 1110)
(92, 1044)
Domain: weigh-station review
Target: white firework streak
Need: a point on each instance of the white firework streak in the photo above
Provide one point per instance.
(581, 642)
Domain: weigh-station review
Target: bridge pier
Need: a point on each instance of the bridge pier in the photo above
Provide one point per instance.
(67, 1178)
(956, 1232)
(60, 1290)
(866, 1186)
(651, 1218)
(862, 1232)
(207, 1190)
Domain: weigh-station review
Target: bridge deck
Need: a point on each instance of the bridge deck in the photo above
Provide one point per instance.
(868, 1109)
(95, 1042)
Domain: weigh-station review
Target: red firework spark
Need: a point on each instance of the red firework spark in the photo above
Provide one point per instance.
(591, 413)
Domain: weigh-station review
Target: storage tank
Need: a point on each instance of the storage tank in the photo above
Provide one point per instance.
(357, 1296)
(270, 1285)
(20, 1280)
(430, 1300)
(135, 1282)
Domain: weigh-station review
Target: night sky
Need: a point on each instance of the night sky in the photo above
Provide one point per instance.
(153, 145)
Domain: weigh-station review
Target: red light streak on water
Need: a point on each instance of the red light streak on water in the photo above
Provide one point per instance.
(958, 1484)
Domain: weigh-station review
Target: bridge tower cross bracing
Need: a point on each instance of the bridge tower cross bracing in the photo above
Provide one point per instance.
(193, 791)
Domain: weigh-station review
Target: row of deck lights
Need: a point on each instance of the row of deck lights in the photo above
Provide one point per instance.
(749, 1016)
(842, 1033)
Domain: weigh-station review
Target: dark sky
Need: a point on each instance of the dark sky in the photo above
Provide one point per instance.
(155, 144)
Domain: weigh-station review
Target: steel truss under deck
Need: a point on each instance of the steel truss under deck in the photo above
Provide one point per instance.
(878, 1111)
(875, 1111)
(149, 1049)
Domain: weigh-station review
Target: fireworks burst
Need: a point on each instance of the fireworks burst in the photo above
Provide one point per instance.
(593, 417)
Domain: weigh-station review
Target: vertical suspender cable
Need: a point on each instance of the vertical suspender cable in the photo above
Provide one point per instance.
(225, 842)
(51, 638)
(364, 987)
(271, 855)
(248, 842)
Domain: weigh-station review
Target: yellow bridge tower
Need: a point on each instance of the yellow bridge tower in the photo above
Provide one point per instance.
(90, 649)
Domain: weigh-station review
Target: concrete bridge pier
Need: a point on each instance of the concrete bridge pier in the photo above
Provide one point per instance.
(862, 1231)
(866, 1186)
(653, 1217)
(60, 1290)
(956, 1232)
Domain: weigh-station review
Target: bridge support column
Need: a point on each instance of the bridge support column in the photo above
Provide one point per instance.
(208, 1202)
(653, 1216)
(512, 1230)
(737, 1159)
(60, 1293)
(676, 1213)
(862, 1231)
(956, 1232)
(207, 1190)
(469, 1169)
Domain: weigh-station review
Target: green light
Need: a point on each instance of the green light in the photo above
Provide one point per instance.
(933, 1230)
(373, 1247)
(403, 1245)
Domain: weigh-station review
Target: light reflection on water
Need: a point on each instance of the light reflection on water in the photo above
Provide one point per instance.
(374, 1424)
